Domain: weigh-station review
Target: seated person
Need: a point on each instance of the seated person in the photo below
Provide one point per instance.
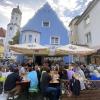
(30, 63)
(22, 70)
(70, 72)
(52, 92)
(32, 77)
(37, 69)
(63, 73)
(82, 77)
(10, 83)
(75, 85)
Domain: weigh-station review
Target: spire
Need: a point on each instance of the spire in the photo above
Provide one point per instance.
(17, 10)
(18, 6)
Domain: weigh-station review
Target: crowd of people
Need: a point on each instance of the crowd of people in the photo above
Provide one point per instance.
(47, 77)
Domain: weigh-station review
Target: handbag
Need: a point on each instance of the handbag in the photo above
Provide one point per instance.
(69, 93)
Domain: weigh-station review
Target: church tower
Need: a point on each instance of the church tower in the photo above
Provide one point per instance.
(12, 28)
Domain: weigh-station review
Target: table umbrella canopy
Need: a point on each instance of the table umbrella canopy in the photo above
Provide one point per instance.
(30, 48)
(74, 50)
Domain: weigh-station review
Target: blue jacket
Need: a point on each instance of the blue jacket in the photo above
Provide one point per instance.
(32, 76)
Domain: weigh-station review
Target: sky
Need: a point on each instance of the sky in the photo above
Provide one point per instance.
(65, 9)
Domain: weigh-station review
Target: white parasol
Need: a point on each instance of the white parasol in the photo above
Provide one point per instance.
(30, 48)
(74, 50)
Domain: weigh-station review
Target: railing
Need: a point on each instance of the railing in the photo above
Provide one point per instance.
(90, 84)
(91, 93)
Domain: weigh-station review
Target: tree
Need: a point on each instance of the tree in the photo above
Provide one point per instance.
(15, 39)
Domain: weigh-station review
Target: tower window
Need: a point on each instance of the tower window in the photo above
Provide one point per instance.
(12, 17)
(16, 18)
(1, 40)
(10, 28)
(46, 23)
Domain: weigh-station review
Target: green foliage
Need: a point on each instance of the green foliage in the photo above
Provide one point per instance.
(15, 39)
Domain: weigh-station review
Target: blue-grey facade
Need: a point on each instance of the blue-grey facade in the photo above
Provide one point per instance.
(48, 26)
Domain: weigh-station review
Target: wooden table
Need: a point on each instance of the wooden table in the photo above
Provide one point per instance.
(25, 84)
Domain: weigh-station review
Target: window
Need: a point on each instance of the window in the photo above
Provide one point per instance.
(10, 28)
(9, 50)
(12, 17)
(25, 38)
(87, 20)
(30, 38)
(88, 37)
(35, 40)
(55, 40)
(1, 40)
(16, 18)
(46, 23)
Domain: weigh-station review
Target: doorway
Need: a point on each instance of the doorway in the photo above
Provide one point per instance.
(38, 60)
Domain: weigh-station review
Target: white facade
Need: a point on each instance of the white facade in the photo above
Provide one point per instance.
(73, 31)
(12, 28)
(16, 18)
(95, 25)
(87, 27)
(30, 37)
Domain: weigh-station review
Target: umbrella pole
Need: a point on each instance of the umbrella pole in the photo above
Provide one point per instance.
(33, 59)
(69, 59)
(79, 58)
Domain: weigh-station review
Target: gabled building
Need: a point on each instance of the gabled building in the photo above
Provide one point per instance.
(87, 27)
(45, 28)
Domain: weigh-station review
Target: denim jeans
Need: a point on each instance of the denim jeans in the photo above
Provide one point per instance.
(1, 87)
(53, 93)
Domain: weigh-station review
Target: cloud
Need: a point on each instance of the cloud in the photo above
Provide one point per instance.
(6, 11)
(78, 7)
(69, 4)
(8, 2)
(65, 9)
(66, 21)
(68, 9)
(27, 9)
(88, 2)
(27, 13)
(52, 3)
(62, 6)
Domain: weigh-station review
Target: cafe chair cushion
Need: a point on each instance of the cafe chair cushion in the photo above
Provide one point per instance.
(33, 89)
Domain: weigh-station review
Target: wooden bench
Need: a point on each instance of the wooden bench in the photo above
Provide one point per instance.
(84, 95)
(90, 94)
